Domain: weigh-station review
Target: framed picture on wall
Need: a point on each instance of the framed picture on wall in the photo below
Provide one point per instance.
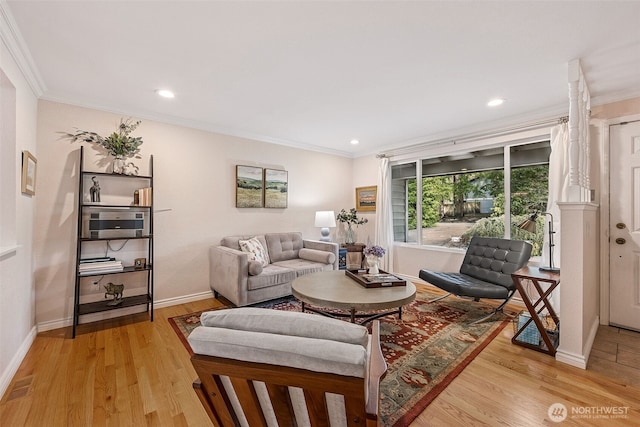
(366, 198)
(276, 188)
(29, 164)
(249, 187)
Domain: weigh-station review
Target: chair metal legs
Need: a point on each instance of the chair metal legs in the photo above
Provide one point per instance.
(488, 316)
(499, 309)
(439, 298)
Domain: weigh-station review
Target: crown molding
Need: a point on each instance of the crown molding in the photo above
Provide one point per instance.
(477, 131)
(194, 124)
(16, 45)
(610, 98)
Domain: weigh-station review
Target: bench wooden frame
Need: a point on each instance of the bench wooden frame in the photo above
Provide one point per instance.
(360, 410)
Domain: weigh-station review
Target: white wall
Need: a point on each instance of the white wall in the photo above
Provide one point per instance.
(16, 268)
(365, 174)
(580, 285)
(194, 189)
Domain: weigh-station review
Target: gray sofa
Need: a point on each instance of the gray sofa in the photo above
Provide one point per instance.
(243, 282)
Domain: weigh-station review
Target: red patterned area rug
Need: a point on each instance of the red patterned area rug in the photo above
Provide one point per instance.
(425, 350)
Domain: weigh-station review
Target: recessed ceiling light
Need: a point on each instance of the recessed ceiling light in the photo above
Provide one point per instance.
(495, 102)
(354, 142)
(165, 93)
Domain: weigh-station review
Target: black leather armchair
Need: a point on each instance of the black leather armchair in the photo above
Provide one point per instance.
(485, 271)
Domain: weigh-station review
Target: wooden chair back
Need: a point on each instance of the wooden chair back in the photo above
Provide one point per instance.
(231, 391)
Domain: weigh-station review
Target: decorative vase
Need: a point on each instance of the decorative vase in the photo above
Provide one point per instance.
(350, 235)
(372, 263)
(118, 165)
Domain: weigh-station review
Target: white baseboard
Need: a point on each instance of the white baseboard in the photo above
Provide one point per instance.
(54, 324)
(414, 279)
(17, 359)
(183, 299)
(63, 323)
(577, 360)
(580, 360)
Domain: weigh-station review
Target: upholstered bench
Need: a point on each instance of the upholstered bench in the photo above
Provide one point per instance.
(256, 365)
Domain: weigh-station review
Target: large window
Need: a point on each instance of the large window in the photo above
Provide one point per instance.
(485, 193)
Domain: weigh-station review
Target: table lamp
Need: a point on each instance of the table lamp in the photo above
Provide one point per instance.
(529, 225)
(325, 219)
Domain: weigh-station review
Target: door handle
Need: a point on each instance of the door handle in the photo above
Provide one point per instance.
(620, 241)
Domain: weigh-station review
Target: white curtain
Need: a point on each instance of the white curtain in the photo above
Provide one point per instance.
(384, 217)
(558, 188)
(558, 192)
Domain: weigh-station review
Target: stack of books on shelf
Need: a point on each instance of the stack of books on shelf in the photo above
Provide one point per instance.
(99, 265)
(142, 197)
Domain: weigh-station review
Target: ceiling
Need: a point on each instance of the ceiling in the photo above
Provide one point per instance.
(317, 74)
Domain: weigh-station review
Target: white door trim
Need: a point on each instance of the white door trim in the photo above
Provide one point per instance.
(605, 209)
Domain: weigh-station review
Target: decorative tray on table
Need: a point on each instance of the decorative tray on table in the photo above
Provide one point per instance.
(380, 280)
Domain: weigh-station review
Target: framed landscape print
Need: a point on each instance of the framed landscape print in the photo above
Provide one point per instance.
(29, 164)
(249, 187)
(276, 188)
(366, 198)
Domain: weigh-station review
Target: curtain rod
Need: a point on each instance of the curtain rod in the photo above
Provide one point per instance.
(474, 136)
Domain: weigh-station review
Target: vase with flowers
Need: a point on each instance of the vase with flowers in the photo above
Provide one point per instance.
(373, 254)
(119, 144)
(350, 218)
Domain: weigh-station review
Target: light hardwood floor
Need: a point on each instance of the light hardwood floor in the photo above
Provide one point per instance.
(134, 372)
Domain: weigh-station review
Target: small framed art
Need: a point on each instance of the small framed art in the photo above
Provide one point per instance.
(276, 188)
(29, 165)
(140, 263)
(249, 187)
(366, 198)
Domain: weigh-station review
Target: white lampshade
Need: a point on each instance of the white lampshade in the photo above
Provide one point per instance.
(325, 219)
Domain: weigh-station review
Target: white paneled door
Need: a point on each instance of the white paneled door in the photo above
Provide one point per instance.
(624, 225)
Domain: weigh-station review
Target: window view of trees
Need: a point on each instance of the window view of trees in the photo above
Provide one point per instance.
(457, 206)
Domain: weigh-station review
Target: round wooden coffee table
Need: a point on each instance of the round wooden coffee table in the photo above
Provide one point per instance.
(336, 291)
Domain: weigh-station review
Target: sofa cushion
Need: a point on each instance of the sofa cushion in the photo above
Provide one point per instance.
(255, 268)
(256, 251)
(291, 323)
(271, 275)
(283, 350)
(233, 243)
(283, 246)
(316, 255)
(302, 266)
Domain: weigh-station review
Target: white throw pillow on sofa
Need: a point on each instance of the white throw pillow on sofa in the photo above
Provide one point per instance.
(256, 251)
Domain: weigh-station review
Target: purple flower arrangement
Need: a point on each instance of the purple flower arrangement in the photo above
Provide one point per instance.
(374, 250)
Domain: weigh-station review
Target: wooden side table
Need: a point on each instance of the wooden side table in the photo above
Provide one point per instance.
(549, 337)
(354, 254)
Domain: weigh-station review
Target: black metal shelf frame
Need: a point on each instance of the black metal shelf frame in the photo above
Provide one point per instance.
(101, 306)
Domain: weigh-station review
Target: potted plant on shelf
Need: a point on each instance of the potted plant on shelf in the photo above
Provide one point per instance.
(120, 144)
(350, 218)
